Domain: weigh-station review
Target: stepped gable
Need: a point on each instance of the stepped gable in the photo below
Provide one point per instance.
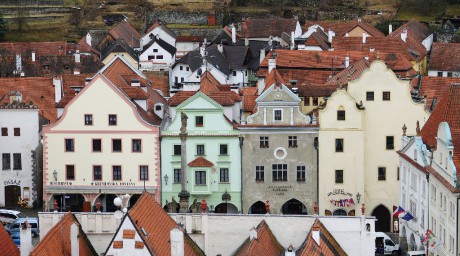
(57, 240)
(327, 246)
(148, 215)
(264, 244)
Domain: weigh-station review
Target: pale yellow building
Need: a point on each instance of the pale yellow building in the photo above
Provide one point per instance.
(104, 145)
(360, 130)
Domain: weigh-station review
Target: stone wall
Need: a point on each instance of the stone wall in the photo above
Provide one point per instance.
(209, 34)
(177, 17)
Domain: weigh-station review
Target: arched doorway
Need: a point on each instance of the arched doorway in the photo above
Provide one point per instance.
(339, 212)
(12, 193)
(383, 223)
(106, 203)
(294, 206)
(226, 208)
(412, 244)
(69, 202)
(133, 199)
(257, 208)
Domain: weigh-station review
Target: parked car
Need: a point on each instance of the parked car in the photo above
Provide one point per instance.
(14, 227)
(384, 245)
(16, 239)
(10, 216)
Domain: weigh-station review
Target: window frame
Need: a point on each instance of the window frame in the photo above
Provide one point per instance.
(113, 120)
(113, 172)
(226, 177)
(382, 177)
(88, 119)
(69, 147)
(177, 147)
(200, 175)
(6, 164)
(292, 141)
(277, 115)
(113, 146)
(133, 143)
(390, 145)
(177, 172)
(260, 173)
(200, 150)
(280, 170)
(16, 131)
(386, 95)
(223, 149)
(370, 96)
(341, 115)
(92, 145)
(17, 165)
(94, 172)
(337, 148)
(339, 176)
(199, 121)
(264, 142)
(70, 167)
(301, 173)
(4, 131)
(143, 172)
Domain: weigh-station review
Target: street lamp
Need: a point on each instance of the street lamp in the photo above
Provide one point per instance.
(55, 175)
(166, 178)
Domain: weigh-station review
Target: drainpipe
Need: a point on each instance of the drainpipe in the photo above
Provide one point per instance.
(316, 145)
(428, 204)
(241, 170)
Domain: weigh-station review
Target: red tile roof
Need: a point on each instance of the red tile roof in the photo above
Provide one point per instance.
(127, 33)
(265, 244)
(415, 29)
(8, 247)
(432, 87)
(249, 95)
(39, 90)
(200, 162)
(441, 57)
(160, 81)
(274, 78)
(184, 39)
(445, 111)
(328, 246)
(264, 28)
(57, 240)
(147, 214)
(342, 28)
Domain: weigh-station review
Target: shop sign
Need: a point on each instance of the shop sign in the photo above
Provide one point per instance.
(341, 198)
(111, 183)
(280, 189)
(12, 182)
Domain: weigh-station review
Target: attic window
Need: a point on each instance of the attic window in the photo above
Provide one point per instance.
(155, 50)
(158, 108)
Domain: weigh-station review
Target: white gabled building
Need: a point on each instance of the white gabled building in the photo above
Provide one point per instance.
(157, 55)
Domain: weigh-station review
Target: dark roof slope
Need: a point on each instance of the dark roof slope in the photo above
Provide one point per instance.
(264, 28)
(444, 56)
(126, 32)
(120, 46)
(163, 44)
(415, 29)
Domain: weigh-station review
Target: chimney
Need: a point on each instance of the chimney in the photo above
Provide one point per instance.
(366, 57)
(404, 35)
(347, 61)
(246, 41)
(26, 239)
(315, 234)
(87, 80)
(271, 64)
(76, 71)
(77, 56)
(330, 35)
(292, 40)
(74, 244)
(359, 20)
(57, 83)
(88, 39)
(262, 55)
(135, 82)
(177, 242)
(18, 62)
(390, 28)
(371, 49)
(220, 47)
(364, 38)
(233, 33)
(33, 56)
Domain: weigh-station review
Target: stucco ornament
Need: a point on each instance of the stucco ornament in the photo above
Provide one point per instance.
(280, 153)
(183, 118)
(307, 119)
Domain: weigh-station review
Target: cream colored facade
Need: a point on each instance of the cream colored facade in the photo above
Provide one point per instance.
(383, 116)
(100, 99)
(125, 55)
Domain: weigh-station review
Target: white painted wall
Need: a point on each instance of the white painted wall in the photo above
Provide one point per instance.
(167, 59)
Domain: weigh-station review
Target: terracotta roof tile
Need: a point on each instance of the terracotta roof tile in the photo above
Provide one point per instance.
(415, 29)
(159, 81)
(328, 246)
(8, 247)
(445, 111)
(274, 78)
(249, 95)
(57, 240)
(200, 162)
(432, 87)
(127, 33)
(265, 244)
(442, 180)
(129, 234)
(256, 28)
(441, 57)
(147, 214)
(341, 28)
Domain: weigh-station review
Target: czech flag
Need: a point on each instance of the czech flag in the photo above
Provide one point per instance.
(398, 211)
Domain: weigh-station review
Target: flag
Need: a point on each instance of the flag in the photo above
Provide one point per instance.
(398, 211)
(407, 217)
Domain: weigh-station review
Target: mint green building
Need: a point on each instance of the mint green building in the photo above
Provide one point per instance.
(213, 155)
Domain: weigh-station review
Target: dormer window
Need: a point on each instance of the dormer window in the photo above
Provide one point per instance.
(151, 36)
(158, 108)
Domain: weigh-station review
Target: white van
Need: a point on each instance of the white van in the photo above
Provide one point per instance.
(384, 245)
(416, 253)
(10, 216)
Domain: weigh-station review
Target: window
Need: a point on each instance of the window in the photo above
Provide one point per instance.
(116, 145)
(199, 121)
(292, 141)
(223, 149)
(234, 73)
(143, 172)
(260, 173)
(70, 172)
(97, 172)
(136, 145)
(187, 68)
(263, 143)
(177, 175)
(17, 162)
(369, 96)
(112, 119)
(156, 50)
(397, 178)
(386, 96)
(4, 131)
(315, 101)
(306, 101)
(88, 119)
(223, 174)
(382, 173)
(277, 115)
(97, 145)
(180, 67)
(390, 142)
(151, 57)
(177, 150)
(449, 74)
(159, 57)
(300, 173)
(200, 178)
(279, 172)
(69, 145)
(338, 176)
(6, 161)
(340, 115)
(338, 145)
(17, 131)
(116, 172)
(200, 150)
(440, 74)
